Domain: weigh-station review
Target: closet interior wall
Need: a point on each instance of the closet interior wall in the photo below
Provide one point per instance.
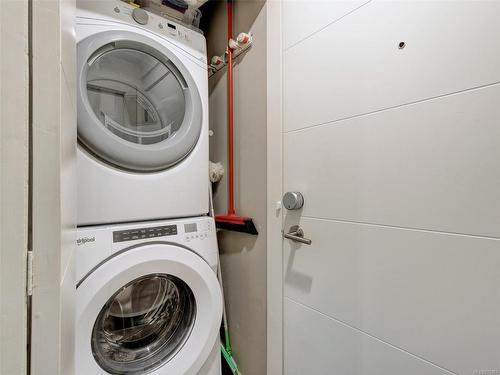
(243, 257)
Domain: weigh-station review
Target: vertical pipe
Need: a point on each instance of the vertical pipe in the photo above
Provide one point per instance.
(230, 104)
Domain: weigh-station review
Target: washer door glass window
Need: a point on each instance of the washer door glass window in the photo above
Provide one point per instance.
(143, 325)
(138, 106)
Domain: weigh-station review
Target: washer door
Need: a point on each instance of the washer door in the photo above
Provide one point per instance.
(138, 107)
(151, 309)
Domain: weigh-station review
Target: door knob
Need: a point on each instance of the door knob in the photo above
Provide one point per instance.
(293, 200)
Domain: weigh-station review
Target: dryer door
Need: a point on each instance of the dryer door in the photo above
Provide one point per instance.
(151, 309)
(138, 106)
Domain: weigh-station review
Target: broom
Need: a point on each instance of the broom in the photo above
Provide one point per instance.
(232, 221)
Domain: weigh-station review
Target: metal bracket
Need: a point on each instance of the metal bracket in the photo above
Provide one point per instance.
(29, 273)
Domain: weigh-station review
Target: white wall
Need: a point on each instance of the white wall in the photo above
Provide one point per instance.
(243, 257)
(14, 164)
(54, 188)
(395, 151)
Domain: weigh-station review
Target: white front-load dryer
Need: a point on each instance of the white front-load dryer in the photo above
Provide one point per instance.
(148, 300)
(142, 113)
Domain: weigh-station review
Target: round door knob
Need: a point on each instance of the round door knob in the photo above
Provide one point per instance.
(293, 200)
(140, 16)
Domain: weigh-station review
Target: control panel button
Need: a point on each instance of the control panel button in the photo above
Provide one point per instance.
(140, 16)
(144, 233)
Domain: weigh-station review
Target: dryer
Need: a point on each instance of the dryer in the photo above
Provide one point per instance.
(142, 110)
(148, 300)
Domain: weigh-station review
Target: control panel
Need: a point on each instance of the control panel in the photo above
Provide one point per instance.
(130, 14)
(185, 231)
(197, 231)
(96, 244)
(142, 233)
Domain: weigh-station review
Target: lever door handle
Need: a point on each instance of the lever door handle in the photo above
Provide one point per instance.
(297, 234)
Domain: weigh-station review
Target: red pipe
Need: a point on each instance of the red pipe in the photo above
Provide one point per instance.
(230, 105)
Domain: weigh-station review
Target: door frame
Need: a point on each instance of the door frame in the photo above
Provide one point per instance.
(53, 186)
(274, 189)
(14, 185)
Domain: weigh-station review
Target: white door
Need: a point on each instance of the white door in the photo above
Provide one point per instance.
(391, 131)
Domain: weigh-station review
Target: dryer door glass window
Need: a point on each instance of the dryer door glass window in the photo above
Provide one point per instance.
(135, 96)
(143, 325)
(139, 107)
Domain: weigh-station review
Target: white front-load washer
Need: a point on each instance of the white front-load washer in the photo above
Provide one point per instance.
(147, 299)
(142, 109)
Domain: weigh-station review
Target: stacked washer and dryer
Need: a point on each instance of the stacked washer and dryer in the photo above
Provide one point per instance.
(148, 298)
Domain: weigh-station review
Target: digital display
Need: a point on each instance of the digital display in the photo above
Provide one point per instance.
(190, 228)
(171, 26)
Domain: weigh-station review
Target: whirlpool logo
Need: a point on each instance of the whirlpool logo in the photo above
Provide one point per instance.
(84, 240)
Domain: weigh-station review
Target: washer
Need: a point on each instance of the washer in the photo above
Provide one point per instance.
(142, 90)
(147, 299)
